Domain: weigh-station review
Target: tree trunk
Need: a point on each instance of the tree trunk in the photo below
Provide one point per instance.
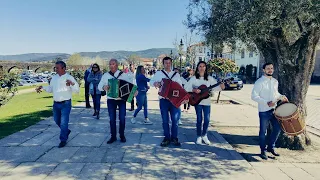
(293, 66)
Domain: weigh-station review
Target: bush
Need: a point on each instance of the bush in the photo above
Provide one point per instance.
(78, 75)
(8, 86)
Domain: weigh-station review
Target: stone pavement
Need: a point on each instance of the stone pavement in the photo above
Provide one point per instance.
(33, 154)
(313, 103)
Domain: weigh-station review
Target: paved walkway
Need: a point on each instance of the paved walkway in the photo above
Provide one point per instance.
(33, 154)
(313, 103)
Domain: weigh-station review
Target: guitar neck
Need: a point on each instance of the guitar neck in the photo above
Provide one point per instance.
(211, 87)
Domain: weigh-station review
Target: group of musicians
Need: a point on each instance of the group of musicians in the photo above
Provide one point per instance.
(62, 85)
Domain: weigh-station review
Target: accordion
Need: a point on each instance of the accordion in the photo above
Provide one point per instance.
(121, 89)
(173, 91)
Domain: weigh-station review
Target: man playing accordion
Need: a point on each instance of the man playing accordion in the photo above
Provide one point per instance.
(166, 106)
(113, 103)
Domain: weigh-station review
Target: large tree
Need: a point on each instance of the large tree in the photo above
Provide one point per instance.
(286, 33)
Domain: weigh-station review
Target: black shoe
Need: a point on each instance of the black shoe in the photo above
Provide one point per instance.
(273, 152)
(131, 109)
(123, 139)
(175, 142)
(62, 144)
(264, 156)
(165, 142)
(98, 115)
(111, 140)
(94, 114)
(88, 106)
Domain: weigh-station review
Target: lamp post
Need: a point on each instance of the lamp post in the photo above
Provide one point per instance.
(180, 52)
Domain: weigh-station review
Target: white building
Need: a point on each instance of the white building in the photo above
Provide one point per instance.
(244, 57)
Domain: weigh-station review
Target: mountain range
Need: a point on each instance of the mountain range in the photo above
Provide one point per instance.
(120, 55)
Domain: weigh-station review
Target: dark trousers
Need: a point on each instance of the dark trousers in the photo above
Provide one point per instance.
(61, 113)
(96, 101)
(167, 107)
(112, 109)
(86, 94)
(132, 104)
(266, 118)
(185, 106)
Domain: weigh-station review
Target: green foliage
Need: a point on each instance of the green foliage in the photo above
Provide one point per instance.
(222, 66)
(8, 86)
(242, 70)
(76, 60)
(133, 59)
(226, 21)
(78, 75)
(17, 114)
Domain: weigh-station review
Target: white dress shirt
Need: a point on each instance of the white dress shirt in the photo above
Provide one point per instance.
(106, 76)
(195, 83)
(62, 92)
(159, 76)
(265, 90)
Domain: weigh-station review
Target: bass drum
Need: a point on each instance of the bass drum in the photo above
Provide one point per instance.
(289, 118)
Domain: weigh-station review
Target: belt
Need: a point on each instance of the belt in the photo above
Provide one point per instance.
(60, 102)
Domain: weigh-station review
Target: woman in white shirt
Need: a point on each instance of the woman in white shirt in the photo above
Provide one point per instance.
(202, 78)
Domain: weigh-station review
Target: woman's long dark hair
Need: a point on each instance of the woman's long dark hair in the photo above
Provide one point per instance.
(95, 64)
(139, 68)
(197, 74)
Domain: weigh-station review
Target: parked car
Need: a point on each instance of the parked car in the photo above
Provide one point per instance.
(236, 83)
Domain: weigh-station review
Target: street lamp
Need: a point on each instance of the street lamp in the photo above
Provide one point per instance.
(171, 53)
(180, 51)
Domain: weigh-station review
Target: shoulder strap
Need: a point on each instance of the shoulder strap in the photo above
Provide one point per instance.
(167, 74)
(112, 74)
(119, 74)
(173, 75)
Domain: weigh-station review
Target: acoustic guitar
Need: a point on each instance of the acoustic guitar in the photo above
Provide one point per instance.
(195, 98)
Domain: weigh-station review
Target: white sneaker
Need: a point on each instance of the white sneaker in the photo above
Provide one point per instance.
(206, 140)
(179, 122)
(147, 121)
(199, 140)
(133, 120)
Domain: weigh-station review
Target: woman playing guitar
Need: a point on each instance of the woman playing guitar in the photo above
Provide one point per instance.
(202, 78)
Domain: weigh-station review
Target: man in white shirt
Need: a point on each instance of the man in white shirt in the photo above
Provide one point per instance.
(166, 106)
(62, 85)
(265, 93)
(112, 103)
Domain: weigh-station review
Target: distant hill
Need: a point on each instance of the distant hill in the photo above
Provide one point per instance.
(148, 53)
(35, 56)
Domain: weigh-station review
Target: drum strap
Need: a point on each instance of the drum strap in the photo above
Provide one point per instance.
(112, 74)
(167, 74)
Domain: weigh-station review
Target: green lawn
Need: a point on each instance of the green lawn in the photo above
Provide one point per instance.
(27, 109)
(31, 87)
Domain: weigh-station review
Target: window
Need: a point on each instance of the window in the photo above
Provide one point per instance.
(251, 54)
(200, 50)
(208, 53)
(200, 58)
(242, 53)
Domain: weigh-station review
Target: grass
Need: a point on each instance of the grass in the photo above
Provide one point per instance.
(30, 87)
(27, 109)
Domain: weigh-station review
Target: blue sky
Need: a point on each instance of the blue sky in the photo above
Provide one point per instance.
(38, 26)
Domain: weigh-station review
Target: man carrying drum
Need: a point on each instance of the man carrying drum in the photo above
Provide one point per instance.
(265, 93)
